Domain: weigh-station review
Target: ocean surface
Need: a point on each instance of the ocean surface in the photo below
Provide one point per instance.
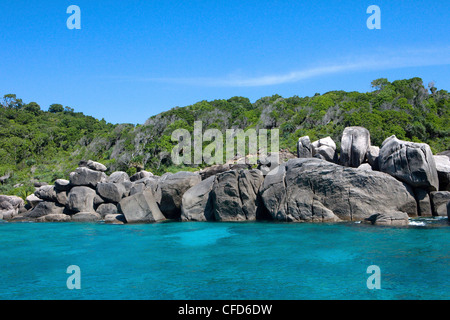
(209, 261)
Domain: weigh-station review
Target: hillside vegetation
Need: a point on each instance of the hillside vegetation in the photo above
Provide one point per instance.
(42, 146)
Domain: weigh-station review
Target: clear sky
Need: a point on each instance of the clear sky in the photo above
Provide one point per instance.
(134, 59)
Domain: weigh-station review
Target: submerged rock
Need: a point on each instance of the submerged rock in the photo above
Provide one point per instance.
(55, 218)
(395, 218)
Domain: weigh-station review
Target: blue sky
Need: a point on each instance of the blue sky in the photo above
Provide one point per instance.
(134, 59)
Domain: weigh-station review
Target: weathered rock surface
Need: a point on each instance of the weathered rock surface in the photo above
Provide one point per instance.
(196, 202)
(86, 177)
(268, 163)
(441, 203)
(62, 185)
(372, 155)
(55, 218)
(443, 170)
(118, 177)
(111, 192)
(96, 166)
(61, 197)
(409, 162)
(141, 175)
(32, 200)
(11, 206)
(81, 199)
(86, 217)
(292, 192)
(115, 219)
(304, 147)
(365, 167)
(170, 191)
(45, 208)
(141, 208)
(395, 218)
(235, 195)
(46, 193)
(423, 202)
(107, 208)
(355, 143)
(325, 149)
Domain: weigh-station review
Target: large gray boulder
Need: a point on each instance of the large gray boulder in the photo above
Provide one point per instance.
(62, 185)
(111, 192)
(235, 195)
(141, 208)
(32, 200)
(81, 199)
(301, 189)
(61, 197)
(249, 183)
(97, 166)
(46, 193)
(45, 208)
(196, 202)
(107, 208)
(443, 170)
(7, 210)
(304, 147)
(86, 177)
(268, 163)
(170, 190)
(355, 143)
(325, 149)
(141, 175)
(118, 177)
(11, 206)
(373, 153)
(409, 162)
(440, 202)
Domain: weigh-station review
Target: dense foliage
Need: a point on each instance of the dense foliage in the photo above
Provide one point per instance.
(43, 146)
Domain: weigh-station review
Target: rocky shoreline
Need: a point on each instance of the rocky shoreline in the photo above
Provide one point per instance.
(384, 185)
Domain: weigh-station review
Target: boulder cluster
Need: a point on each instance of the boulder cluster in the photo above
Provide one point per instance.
(381, 185)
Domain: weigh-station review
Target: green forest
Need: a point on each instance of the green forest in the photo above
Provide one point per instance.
(42, 146)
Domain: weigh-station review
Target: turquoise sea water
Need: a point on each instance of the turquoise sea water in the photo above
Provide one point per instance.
(224, 261)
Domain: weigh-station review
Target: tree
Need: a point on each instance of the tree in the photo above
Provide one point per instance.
(33, 107)
(55, 108)
(379, 84)
(11, 101)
